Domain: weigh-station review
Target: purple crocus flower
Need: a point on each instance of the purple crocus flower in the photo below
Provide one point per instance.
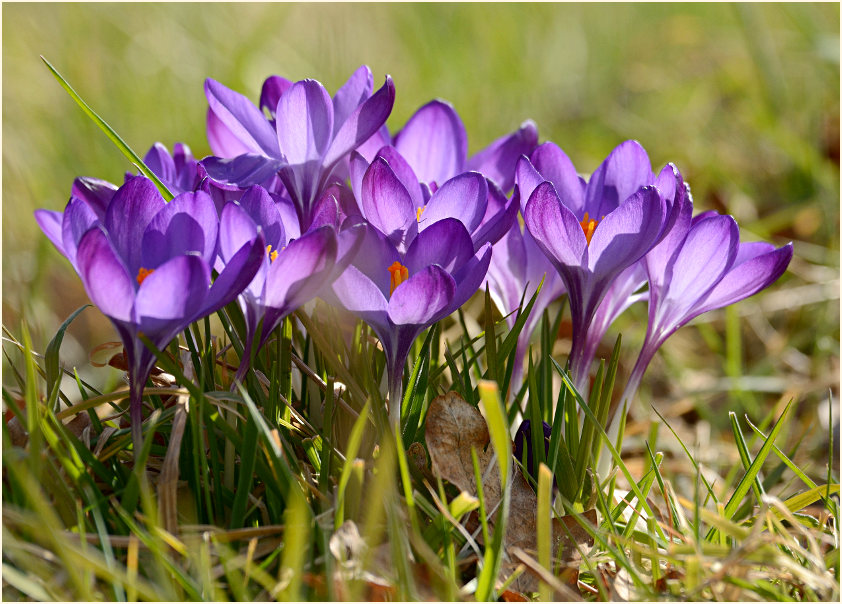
(523, 447)
(303, 141)
(435, 144)
(401, 289)
(593, 232)
(408, 206)
(295, 267)
(700, 266)
(146, 264)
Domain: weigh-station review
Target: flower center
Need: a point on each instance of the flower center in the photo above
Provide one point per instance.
(588, 226)
(418, 213)
(272, 255)
(143, 273)
(399, 274)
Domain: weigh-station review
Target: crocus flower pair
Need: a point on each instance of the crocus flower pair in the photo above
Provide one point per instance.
(146, 264)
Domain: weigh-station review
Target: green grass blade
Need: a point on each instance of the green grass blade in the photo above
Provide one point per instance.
(745, 456)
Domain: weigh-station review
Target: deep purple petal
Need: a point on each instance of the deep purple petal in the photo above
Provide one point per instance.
(129, 213)
(500, 216)
(351, 95)
(236, 276)
(404, 172)
(555, 228)
(463, 197)
(423, 298)
(263, 210)
(270, 94)
(623, 172)
(375, 255)
(434, 142)
(445, 243)
(79, 217)
(243, 170)
(174, 291)
(242, 120)
(301, 269)
(369, 148)
(159, 160)
(106, 279)
(386, 202)
(96, 193)
(187, 224)
(469, 277)
(497, 161)
(362, 123)
(554, 165)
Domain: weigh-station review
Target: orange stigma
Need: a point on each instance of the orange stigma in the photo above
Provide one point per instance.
(143, 273)
(418, 213)
(588, 227)
(272, 255)
(399, 274)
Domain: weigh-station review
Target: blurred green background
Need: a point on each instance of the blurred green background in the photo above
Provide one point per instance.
(743, 98)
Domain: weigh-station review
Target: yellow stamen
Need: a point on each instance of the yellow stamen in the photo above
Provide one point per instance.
(399, 274)
(272, 255)
(143, 273)
(418, 213)
(588, 226)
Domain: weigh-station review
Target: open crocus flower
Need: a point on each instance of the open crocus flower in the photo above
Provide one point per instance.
(295, 267)
(146, 264)
(399, 294)
(435, 144)
(393, 200)
(593, 232)
(303, 141)
(700, 266)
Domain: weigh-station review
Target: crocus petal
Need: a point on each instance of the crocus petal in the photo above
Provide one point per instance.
(554, 165)
(434, 142)
(263, 210)
(355, 291)
(159, 160)
(325, 212)
(304, 119)
(627, 233)
(497, 161)
(106, 280)
(405, 174)
(495, 225)
(95, 192)
(357, 166)
(273, 88)
(352, 93)
(236, 276)
(187, 224)
(463, 197)
(660, 256)
(623, 172)
(362, 123)
(369, 148)
(299, 271)
(527, 179)
(386, 202)
(469, 277)
(236, 229)
(131, 210)
(51, 223)
(173, 291)
(375, 255)
(222, 141)
(244, 170)
(422, 298)
(445, 243)
(749, 276)
(555, 228)
(241, 118)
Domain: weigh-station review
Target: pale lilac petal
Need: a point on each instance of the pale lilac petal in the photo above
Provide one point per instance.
(527, 179)
(422, 298)
(660, 256)
(289, 216)
(469, 277)
(221, 140)
(236, 276)
(304, 118)
(351, 95)
(627, 233)
(375, 255)
(496, 223)
(173, 291)
(362, 123)
(301, 269)
(434, 142)
(555, 228)
(405, 174)
(624, 171)
(273, 88)
(131, 210)
(386, 202)
(79, 217)
(369, 148)
(463, 197)
(50, 223)
(187, 224)
(748, 276)
(263, 210)
(361, 296)
(108, 283)
(445, 243)
(236, 229)
(242, 120)
(497, 161)
(159, 160)
(243, 170)
(554, 165)
(357, 166)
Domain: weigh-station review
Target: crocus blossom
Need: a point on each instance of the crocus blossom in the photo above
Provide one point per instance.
(302, 142)
(593, 232)
(393, 200)
(146, 264)
(295, 267)
(435, 144)
(401, 293)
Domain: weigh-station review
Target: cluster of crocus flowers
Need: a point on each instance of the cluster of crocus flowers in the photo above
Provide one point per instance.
(309, 195)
